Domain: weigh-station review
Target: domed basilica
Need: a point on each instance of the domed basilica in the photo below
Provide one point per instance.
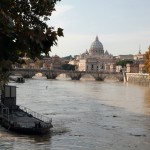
(96, 48)
(96, 59)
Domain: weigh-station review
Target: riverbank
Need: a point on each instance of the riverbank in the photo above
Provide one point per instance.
(138, 78)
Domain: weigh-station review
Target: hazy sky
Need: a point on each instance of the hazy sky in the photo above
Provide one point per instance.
(121, 25)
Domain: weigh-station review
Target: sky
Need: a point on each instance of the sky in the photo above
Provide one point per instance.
(123, 26)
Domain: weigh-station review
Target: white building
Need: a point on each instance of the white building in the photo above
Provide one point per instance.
(96, 59)
(139, 56)
(125, 57)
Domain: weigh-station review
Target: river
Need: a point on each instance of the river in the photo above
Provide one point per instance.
(87, 115)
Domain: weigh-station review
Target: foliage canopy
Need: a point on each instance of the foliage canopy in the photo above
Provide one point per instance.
(68, 67)
(124, 62)
(24, 28)
(147, 60)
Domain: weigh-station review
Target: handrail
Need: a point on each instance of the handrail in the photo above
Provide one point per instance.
(4, 114)
(36, 115)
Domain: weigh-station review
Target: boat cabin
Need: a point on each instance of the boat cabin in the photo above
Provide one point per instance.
(8, 97)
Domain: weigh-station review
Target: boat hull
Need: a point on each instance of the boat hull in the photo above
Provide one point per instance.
(30, 131)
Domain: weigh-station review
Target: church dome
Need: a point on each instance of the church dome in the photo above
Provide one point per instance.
(96, 47)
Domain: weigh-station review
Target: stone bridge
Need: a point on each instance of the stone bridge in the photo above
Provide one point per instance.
(74, 75)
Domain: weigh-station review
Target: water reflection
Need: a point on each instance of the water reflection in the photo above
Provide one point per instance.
(11, 140)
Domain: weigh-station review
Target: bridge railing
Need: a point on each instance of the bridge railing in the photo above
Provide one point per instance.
(59, 70)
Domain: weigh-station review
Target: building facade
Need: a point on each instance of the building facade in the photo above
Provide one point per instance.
(95, 59)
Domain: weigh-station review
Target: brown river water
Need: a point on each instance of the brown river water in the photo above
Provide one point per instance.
(87, 115)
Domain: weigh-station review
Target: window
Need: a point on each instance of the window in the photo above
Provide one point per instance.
(92, 66)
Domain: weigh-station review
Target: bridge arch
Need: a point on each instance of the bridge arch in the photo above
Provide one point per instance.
(39, 75)
(34, 74)
(118, 77)
(87, 76)
(63, 76)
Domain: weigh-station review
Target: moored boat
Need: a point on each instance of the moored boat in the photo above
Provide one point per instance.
(21, 119)
(17, 79)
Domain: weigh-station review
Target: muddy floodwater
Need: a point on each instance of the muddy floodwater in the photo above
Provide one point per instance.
(87, 115)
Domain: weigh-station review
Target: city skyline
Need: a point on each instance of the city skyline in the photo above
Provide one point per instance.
(122, 26)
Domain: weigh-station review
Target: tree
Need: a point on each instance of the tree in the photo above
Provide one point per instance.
(147, 60)
(124, 62)
(39, 63)
(24, 29)
(68, 67)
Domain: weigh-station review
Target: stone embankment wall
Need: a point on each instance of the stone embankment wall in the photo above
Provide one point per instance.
(138, 78)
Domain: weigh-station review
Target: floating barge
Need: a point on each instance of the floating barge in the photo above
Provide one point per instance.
(17, 79)
(21, 119)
